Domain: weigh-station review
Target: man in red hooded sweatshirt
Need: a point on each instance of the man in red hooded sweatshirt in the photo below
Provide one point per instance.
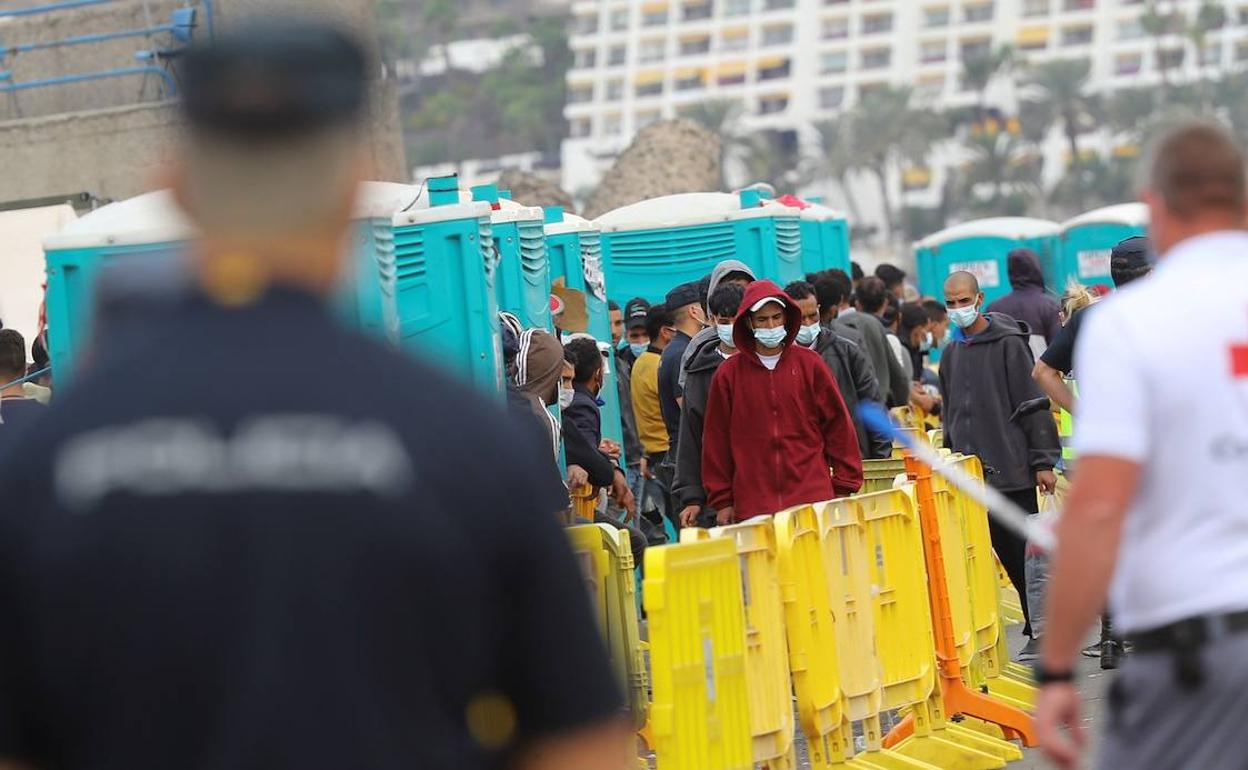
(775, 420)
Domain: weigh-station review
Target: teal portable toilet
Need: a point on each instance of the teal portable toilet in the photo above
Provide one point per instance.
(825, 239)
(445, 272)
(575, 251)
(651, 246)
(1086, 242)
(981, 247)
(148, 235)
(522, 281)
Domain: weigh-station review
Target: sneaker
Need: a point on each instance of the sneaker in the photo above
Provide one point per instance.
(1091, 651)
(1030, 651)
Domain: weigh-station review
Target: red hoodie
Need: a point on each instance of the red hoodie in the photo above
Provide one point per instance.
(771, 436)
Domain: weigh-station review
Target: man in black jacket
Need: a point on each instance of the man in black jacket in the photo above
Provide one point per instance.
(849, 365)
(872, 300)
(984, 379)
(687, 490)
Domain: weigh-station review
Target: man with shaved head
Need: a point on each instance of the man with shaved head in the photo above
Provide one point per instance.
(985, 377)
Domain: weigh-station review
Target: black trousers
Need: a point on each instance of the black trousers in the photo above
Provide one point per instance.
(1011, 549)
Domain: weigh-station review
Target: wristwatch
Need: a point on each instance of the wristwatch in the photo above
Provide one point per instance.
(1046, 676)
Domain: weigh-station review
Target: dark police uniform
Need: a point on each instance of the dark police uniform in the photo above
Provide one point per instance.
(250, 538)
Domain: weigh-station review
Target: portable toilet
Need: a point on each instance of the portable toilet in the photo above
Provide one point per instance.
(825, 239)
(445, 263)
(1086, 242)
(140, 243)
(651, 246)
(574, 247)
(981, 247)
(522, 281)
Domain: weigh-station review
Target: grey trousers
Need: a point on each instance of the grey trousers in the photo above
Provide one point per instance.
(1156, 723)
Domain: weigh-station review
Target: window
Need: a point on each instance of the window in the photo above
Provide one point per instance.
(1128, 64)
(655, 18)
(696, 11)
(980, 12)
(735, 41)
(612, 125)
(1036, 7)
(586, 25)
(866, 89)
(584, 59)
(1130, 29)
(692, 46)
(975, 48)
(778, 5)
(649, 87)
(615, 90)
(876, 58)
(581, 94)
(930, 88)
(731, 74)
(1171, 59)
(1211, 55)
(832, 62)
(835, 29)
(1078, 5)
(738, 7)
(619, 19)
(652, 51)
(771, 105)
(936, 17)
(877, 23)
(690, 81)
(579, 128)
(831, 97)
(1241, 51)
(1033, 38)
(773, 69)
(835, 2)
(1081, 35)
(616, 55)
(933, 51)
(648, 117)
(778, 35)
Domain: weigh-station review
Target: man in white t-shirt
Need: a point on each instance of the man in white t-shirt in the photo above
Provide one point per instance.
(1159, 504)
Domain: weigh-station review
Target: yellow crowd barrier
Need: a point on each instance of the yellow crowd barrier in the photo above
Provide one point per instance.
(766, 654)
(584, 503)
(699, 716)
(886, 601)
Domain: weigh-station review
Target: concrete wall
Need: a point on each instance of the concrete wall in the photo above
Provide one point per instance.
(102, 137)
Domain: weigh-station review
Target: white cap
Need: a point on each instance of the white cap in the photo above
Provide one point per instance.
(759, 305)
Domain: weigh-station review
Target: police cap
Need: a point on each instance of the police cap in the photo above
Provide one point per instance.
(269, 79)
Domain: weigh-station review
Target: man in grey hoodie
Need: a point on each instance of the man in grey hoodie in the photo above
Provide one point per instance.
(1028, 302)
(730, 270)
(984, 379)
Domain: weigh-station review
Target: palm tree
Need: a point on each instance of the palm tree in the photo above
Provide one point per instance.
(722, 117)
(836, 159)
(979, 70)
(1157, 25)
(441, 18)
(1060, 86)
(1209, 17)
(773, 159)
(1002, 160)
(886, 130)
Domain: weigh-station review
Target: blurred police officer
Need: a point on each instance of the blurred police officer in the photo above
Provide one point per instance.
(1158, 502)
(254, 539)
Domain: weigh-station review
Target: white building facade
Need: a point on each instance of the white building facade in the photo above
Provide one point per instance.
(790, 63)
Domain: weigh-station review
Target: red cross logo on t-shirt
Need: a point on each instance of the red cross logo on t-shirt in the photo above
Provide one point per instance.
(1239, 361)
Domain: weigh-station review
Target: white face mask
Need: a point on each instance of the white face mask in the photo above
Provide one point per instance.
(725, 334)
(964, 317)
(808, 334)
(565, 397)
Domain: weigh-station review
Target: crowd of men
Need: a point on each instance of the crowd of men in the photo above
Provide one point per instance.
(224, 563)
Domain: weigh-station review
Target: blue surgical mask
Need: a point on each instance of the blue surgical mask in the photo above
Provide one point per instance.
(808, 334)
(725, 334)
(771, 338)
(638, 347)
(964, 316)
(926, 344)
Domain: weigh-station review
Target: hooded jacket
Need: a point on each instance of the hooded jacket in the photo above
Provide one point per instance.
(708, 335)
(1028, 301)
(771, 435)
(984, 379)
(687, 486)
(894, 386)
(855, 376)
